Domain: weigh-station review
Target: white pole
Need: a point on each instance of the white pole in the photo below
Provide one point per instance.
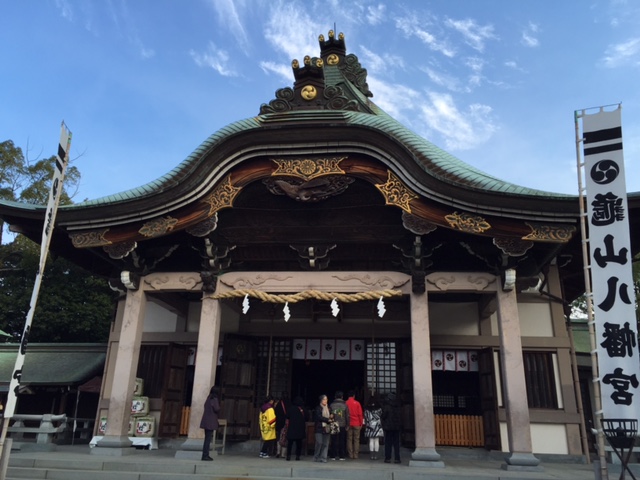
(49, 221)
(597, 400)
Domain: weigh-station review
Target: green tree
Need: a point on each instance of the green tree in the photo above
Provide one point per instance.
(27, 181)
(73, 305)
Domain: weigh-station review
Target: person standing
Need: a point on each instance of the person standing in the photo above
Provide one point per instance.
(391, 419)
(267, 427)
(321, 418)
(340, 412)
(209, 422)
(356, 420)
(373, 427)
(297, 429)
(281, 407)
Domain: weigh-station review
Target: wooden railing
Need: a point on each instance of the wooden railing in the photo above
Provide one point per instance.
(460, 430)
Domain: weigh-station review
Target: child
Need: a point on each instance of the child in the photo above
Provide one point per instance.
(267, 427)
(373, 427)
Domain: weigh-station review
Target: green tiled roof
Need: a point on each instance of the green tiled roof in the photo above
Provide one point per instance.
(433, 160)
(58, 365)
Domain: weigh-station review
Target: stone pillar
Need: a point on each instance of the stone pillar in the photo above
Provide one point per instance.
(116, 440)
(515, 389)
(425, 454)
(204, 376)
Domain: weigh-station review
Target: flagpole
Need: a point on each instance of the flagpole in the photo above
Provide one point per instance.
(49, 221)
(597, 400)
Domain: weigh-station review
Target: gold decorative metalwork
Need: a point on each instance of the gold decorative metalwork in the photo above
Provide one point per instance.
(94, 238)
(550, 233)
(333, 59)
(295, 64)
(467, 222)
(158, 227)
(222, 196)
(307, 168)
(396, 193)
(308, 92)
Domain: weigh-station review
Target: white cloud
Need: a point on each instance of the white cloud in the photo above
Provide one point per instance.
(292, 39)
(623, 54)
(65, 9)
(460, 130)
(528, 35)
(413, 27)
(474, 35)
(229, 17)
(375, 14)
(280, 69)
(214, 58)
(395, 99)
(379, 63)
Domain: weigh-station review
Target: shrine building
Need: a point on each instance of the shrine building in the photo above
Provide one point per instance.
(321, 245)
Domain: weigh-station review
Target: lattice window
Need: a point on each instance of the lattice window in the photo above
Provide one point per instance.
(381, 367)
(540, 380)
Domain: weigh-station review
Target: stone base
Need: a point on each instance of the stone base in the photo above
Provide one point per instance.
(425, 457)
(522, 462)
(112, 451)
(424, 463)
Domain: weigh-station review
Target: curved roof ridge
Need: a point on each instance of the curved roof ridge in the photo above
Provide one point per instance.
(444, 162)
(180, 171)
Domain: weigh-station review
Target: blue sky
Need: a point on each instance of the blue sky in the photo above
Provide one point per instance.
(142, 83)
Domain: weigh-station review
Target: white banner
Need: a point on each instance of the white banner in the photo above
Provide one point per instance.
(462, 361)
(299, 349)
(62, 161)
(313, 349)
(437, 360)
(357, 350)
(610, 260)
(343, 349)
(328, 350)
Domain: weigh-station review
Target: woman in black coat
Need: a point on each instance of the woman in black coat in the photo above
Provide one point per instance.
(297, 417)
(209, 421)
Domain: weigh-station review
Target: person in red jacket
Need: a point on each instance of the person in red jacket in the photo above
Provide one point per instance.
(356, 421)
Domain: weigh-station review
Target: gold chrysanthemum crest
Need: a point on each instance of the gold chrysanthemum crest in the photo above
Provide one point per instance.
(396, 193)
(307, 168)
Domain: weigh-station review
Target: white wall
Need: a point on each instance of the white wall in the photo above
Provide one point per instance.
(454, 318)
(159, 319)
(545, 438)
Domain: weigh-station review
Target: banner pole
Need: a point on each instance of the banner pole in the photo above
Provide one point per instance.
(597, 400)
(49, 221)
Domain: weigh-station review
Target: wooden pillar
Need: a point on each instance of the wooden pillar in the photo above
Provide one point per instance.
(116, 440)
(425, 454)
(514, 385)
